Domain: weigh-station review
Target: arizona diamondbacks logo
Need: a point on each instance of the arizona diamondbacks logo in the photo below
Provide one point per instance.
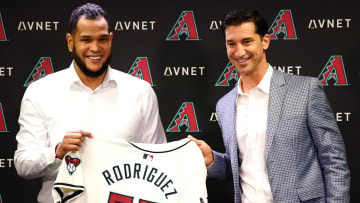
(71, 164)
(141, 69)
(334, 69)
(2, 30)
(230, 72)
(185, 116)
(42, 68)
(284, 24)
(185, 25)
(2, 120)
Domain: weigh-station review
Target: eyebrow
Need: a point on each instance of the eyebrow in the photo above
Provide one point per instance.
(248, 39)
(245, 39)
(89, 36)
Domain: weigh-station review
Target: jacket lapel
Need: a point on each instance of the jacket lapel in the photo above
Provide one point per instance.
(231, 118)
(276, 101)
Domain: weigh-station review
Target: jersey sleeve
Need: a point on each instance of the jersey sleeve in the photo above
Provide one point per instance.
(69, 183)
(195, 188)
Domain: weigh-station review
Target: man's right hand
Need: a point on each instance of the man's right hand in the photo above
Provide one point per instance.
(72, 141)
(205, 149)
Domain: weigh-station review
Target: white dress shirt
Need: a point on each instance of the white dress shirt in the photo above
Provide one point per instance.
(251, 115)
(122, 106)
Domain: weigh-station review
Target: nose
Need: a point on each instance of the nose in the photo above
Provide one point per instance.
(95, 46)
(240, 51)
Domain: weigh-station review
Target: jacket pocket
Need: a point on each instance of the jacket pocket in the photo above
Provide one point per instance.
(309, 193)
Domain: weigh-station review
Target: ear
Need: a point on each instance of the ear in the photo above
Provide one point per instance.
(70, 42)
(266, 41)
(111, 36)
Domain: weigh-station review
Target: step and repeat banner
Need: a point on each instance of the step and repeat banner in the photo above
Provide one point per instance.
(178, 47)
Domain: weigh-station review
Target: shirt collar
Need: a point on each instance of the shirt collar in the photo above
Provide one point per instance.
(264, 84)
(109, 79)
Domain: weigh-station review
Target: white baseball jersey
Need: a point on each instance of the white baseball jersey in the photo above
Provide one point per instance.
(117, 171)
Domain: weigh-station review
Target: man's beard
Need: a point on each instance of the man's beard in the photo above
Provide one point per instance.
(85, 69)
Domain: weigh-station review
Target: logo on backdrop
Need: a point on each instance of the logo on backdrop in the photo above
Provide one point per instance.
(213, 117)
(6, 71)
(6, 163)
(215, 25)
(42, 68)
(3, 127)
(288, 69)
(230, 73)
(134, 25)
(342, 116)
(38, 25)
(141, 69)
(2, 30)
(185, 25)
(184, 71)
(334, 70)
(283, 24)
(329, 23)
(184, 117)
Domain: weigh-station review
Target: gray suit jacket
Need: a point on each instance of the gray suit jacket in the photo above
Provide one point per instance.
(305, 153)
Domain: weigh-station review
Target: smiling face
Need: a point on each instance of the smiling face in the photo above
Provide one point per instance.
(246, 49)
(90, 45)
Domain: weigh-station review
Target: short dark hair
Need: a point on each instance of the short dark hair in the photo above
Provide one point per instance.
(239, 16)
(89, 11)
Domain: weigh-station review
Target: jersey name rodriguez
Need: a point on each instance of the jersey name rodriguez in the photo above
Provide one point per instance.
(113, 170)
(141, 172)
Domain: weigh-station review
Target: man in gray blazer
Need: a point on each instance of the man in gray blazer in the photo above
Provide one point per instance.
(281, 138)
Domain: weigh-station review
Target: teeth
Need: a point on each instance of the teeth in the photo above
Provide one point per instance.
(242, 61)
(94, 57)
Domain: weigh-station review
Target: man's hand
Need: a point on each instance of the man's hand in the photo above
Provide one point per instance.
(205, 149)
(72, 142)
